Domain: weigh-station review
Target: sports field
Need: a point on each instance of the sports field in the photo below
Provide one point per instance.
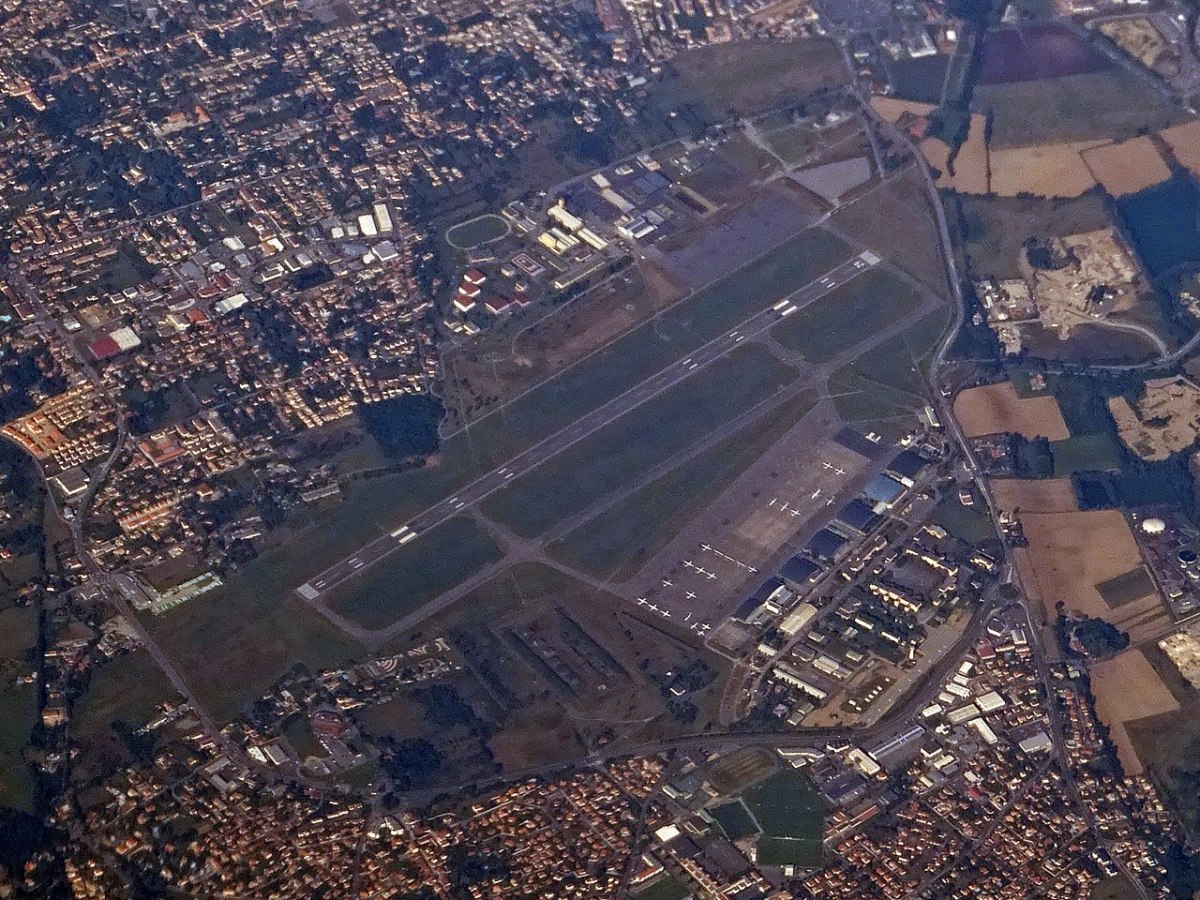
(476, 232)
(791, 817)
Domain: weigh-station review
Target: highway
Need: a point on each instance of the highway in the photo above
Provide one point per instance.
(487, 484)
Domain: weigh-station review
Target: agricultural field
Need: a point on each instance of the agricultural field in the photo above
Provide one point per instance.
(1047, 495)
(1128, 166)
(1070, 555)
(995, 408)
(1111, 104)
(1127, 688)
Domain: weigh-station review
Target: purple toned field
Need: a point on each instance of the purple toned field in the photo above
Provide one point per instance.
(1044, 50)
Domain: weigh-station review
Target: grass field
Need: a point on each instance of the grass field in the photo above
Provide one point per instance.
(233, 646)
(126, 690)
(1113, 104)
(1086, 453)
(18, 714)
(416, 573)
(666, 888)
(649, 435)
(995, 229)
(18, 707)
(885, 389)
(475, 232)
(847, 316)
(966, 524)
(785, 805)
(735, 820)
(637, 527)
(807, 853)
(722, 81)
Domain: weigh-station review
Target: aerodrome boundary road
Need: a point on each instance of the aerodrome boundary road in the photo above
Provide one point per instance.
(312, 590)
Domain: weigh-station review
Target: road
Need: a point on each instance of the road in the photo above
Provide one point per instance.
(484, 486)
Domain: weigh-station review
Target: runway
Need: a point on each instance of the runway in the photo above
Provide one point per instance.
(478, 490)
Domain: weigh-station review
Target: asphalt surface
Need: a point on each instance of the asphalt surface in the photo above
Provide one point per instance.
(477, 491)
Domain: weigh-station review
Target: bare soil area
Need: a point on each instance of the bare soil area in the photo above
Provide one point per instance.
(1126, 688)
(996, 408)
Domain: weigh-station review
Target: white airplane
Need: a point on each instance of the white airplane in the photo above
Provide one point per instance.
(795, 512)
(827, 465)
(691, 595)
(687, 618)
(689, 563)
(667, 583)
(641, 601)
(705, 547)
(653, 608)
(705, 627)
(839, 471)
(666, 613)
(710, 575)
(772, 503)
(784, 508)
(815, 494)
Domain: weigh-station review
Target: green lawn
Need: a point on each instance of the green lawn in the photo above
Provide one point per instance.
(474, 232)
(666, 888)
(735, 820)
(786, 806)
(966, 524)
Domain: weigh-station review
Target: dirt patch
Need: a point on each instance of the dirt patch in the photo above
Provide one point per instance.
(1045, 170)
(1127, 167)
(1184, 141)
(1127, 688)
(971, 163)
(996, 408)
(1165, 421)
(1046, 495)
(894, 110)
